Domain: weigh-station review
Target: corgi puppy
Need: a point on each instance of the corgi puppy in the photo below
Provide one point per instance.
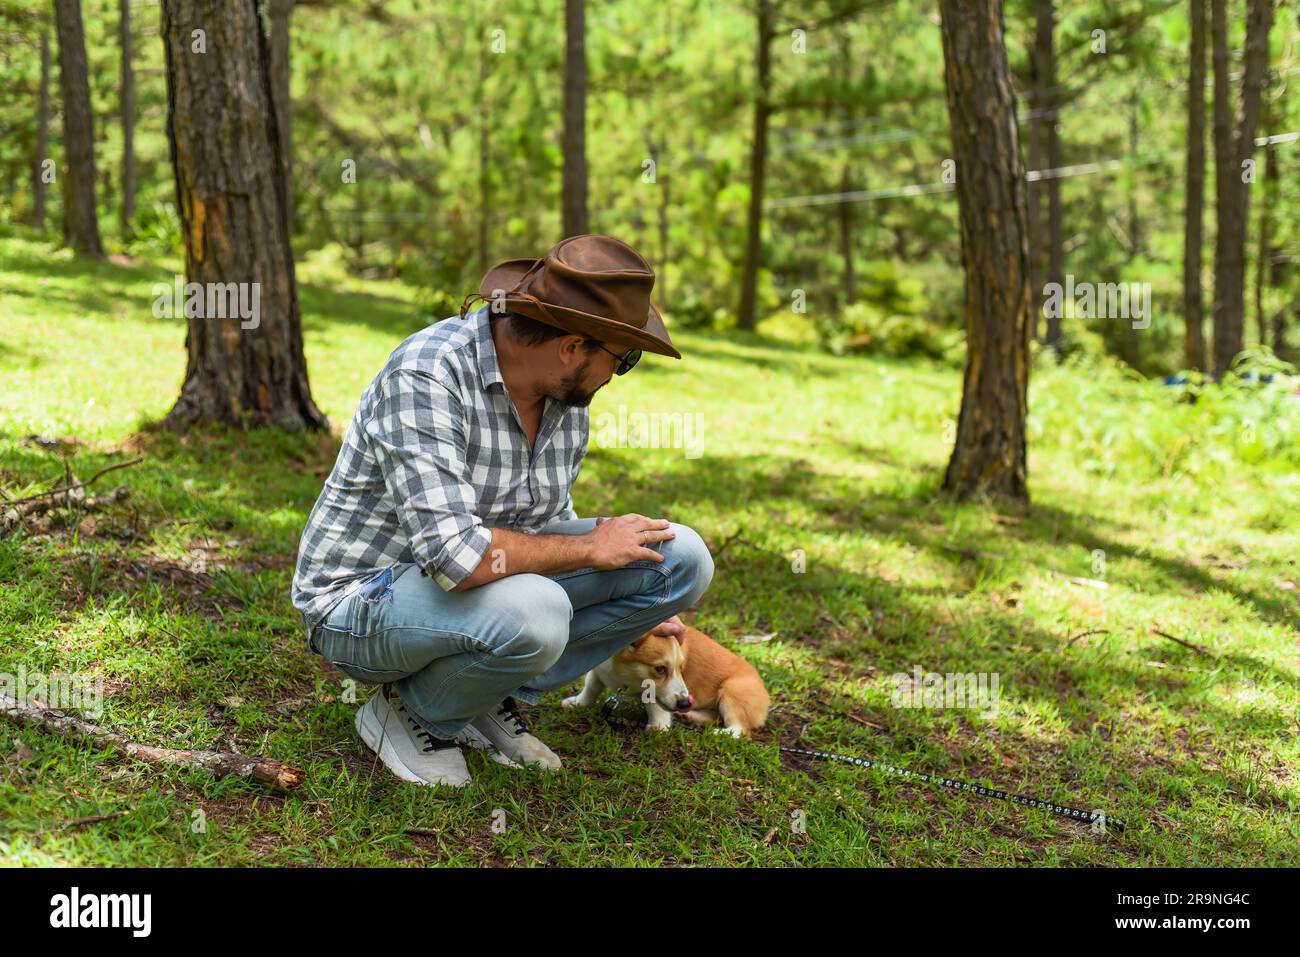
(693, 677)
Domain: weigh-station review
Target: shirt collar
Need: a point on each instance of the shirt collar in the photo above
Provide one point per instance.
(489, 369)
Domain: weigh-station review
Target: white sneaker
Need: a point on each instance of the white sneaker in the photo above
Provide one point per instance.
(410, 752)
(504, 735)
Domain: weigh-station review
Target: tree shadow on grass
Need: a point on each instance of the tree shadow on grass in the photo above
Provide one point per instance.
(393, 317)
(235, 481)
(913, 511)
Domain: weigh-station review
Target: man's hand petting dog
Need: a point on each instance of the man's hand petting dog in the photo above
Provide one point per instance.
(672, 628)
(616, 542)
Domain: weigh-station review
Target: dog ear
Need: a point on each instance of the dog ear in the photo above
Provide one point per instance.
(640, 641)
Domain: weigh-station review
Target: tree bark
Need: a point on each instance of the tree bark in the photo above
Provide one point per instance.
(1233, 145)
(42, 136)
(484, 161)
(127, 103)
(575, 118)
(80, 219)
(1280, 262)
(747, 314)
(988, 457)
(1194, 191)
(850, 284)
(221, 126)
(1132, 354)
(656, 149)
(279, 12)
(1045, 145)
(1265, 260)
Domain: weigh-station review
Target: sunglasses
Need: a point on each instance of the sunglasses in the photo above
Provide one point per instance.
(625, 361)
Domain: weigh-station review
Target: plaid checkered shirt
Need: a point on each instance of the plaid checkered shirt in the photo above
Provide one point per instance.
(434, 456)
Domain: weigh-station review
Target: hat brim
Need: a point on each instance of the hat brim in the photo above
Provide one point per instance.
(505, 277)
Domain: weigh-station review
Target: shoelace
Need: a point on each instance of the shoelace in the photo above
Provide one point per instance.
(507, 711)
(431, 743)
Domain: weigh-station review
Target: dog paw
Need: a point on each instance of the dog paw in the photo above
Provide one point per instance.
(658, 726)
(733, 732)
(574, 701)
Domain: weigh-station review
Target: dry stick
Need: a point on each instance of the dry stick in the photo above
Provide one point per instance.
(1186, 644)
(96, 818)
(1085, 634)
(75, 485)
(265, 771)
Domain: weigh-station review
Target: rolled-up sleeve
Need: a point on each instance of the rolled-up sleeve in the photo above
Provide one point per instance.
(417, 430)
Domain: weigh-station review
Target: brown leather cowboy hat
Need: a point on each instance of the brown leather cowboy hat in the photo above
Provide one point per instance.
(594, 286)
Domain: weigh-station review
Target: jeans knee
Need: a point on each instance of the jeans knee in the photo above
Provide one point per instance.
(691, 561)
(543, 614)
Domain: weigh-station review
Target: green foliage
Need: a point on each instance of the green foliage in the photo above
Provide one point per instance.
(891, 317)
(457, 149)
(157, 231)
(692, 311)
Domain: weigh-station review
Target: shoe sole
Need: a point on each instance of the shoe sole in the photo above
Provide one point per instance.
(372, 735)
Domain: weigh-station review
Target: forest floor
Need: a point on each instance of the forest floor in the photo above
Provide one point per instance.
(815, 482)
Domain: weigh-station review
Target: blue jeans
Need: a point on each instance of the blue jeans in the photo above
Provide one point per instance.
(453, 656)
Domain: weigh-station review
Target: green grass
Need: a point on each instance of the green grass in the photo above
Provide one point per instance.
(178, 599)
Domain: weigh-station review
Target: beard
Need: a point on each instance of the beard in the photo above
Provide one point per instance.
(571, 392)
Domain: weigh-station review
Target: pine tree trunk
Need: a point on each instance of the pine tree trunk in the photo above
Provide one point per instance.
(1132, 354)
(230, 192)
(575, 118)
(1051, 258)
(1233, 147)
(850, 284)
(279, 13)
(1280, 317)
(80, 219)
(127, 98)
(1279, 271)
(989, 455)
(656, 147)
(747, 314)
(1265, 258)
(1035, 194)
(42, 137)
(484, 162)
(1193, 220)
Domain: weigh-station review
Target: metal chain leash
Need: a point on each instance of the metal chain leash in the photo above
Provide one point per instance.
(1104, 820)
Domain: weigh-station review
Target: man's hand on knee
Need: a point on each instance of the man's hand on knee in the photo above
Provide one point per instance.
(616, 542)
(613, 543)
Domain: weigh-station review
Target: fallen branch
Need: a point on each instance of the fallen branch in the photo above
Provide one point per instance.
(97, 818)
(864, 722)
(1085, 634)
(264, 771)
(69, 488)
(1181, 641)
(29, 507)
